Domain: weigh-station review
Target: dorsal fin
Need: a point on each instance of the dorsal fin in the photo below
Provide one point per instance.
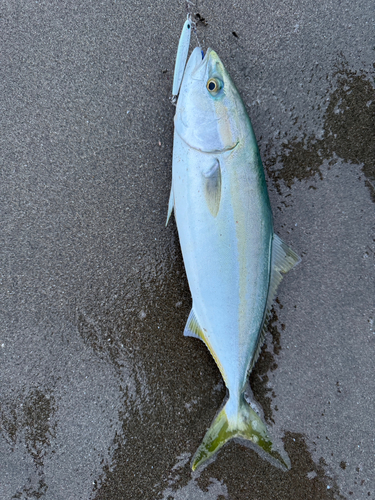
(283, 259)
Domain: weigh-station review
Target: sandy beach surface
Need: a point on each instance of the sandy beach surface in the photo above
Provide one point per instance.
(101, 396)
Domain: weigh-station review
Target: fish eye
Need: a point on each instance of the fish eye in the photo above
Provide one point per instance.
(213, 85)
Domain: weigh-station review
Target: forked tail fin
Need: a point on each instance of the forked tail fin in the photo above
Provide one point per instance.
(245, 424)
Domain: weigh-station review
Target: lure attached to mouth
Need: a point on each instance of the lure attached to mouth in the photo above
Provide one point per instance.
(181, 58)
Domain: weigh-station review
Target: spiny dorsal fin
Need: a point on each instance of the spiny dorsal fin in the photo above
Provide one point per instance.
(192, 328)
(212, 189)
(170, 205)
(283, 259)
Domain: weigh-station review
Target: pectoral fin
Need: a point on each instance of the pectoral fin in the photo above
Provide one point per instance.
(170, 206)
(212, 189)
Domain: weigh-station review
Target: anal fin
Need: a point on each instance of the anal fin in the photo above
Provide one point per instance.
(170, 206)
(192, 328)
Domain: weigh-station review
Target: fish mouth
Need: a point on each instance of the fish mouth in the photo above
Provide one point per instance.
(203, 61)
(211, 151)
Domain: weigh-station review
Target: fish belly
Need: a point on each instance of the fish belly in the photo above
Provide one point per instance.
(227, 256)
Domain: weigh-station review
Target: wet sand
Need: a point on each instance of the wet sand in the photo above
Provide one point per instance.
(101, 397)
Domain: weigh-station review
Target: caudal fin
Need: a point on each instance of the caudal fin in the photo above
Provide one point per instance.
(244, 424)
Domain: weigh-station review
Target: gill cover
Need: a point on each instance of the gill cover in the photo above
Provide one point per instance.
(208, 108)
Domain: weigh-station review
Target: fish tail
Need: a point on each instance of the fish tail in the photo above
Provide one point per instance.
(239, 421)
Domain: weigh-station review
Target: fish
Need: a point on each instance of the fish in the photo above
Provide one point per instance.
(233, 259)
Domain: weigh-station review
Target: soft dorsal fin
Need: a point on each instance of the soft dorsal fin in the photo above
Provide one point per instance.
(170, 206)
(192, 328)
(283, 259)
(212, 189)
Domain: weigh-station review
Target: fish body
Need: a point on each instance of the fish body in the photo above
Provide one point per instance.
(233, 259)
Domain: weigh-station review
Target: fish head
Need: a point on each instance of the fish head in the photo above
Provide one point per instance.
(209, 114)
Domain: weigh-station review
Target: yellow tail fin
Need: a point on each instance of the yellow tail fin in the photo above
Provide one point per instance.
(245, 424)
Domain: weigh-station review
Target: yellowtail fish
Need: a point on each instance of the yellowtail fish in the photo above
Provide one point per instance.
(234, 261)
